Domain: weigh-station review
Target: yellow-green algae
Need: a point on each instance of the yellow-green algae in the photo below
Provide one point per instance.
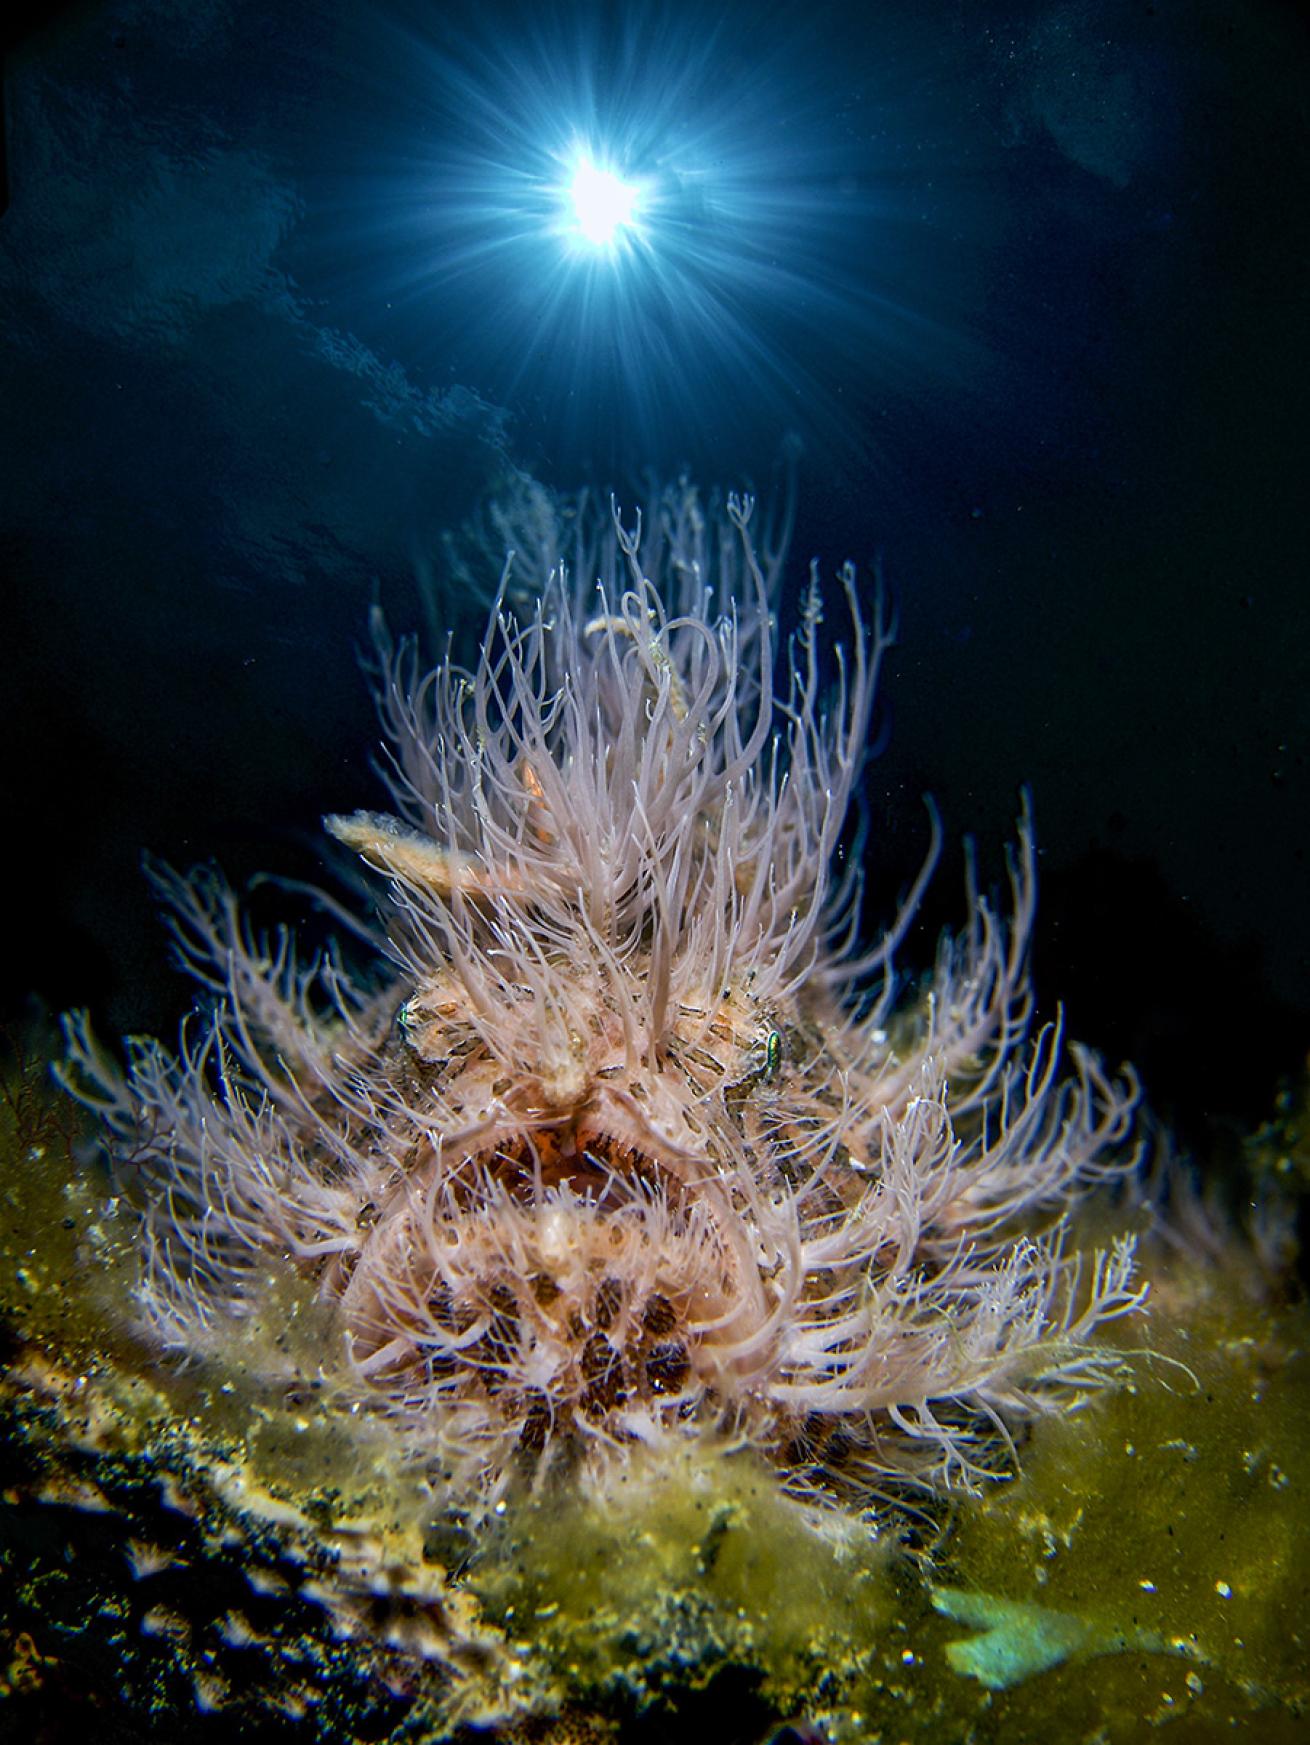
(691, 1561)
(224, 1549)
(1173, 1512)
(1277, 1154)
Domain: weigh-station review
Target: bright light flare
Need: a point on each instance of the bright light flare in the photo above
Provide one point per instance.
(639, 229)
(604, 205)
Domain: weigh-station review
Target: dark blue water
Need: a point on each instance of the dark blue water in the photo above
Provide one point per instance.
(1021, 290)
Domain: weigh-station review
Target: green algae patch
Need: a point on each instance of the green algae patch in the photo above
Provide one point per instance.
(52, 1212)
(1277, 1154)
(1152, 1559)
(1017, 1639)
(1149, 1565)
(690, 1560)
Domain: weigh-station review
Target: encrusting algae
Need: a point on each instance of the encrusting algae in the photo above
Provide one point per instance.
(562, 1317)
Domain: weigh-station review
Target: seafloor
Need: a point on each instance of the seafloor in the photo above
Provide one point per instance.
(195, 1555)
